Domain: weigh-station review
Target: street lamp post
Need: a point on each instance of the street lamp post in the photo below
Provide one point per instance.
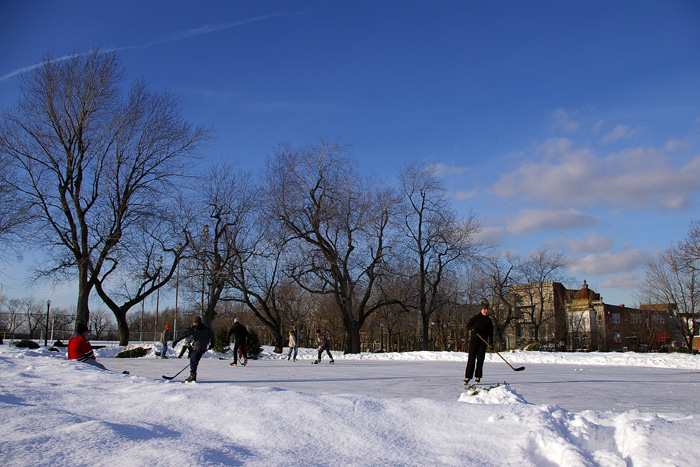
(141, 331)
(46, 334)
(177, 290)
(160, 268)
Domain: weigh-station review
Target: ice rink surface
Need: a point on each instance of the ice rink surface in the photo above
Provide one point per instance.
(572, 387)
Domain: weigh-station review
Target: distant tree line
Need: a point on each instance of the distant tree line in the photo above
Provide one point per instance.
(108, 181)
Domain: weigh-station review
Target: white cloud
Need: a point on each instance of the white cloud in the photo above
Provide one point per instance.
(592, 243)
(595, 129)
(624, 281)
(462, 195)
(618, 133)
(564, 119)
(610, 263)
(445, 170)
(491, 235)
(530, 220)
(563, 174)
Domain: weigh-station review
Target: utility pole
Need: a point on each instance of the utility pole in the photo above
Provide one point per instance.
(46, 333)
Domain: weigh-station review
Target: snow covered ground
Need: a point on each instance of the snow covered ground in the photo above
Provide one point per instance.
(371, 409)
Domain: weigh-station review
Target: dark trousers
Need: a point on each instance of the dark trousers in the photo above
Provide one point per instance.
(239, 346)
(320, 352)
(195, 357)
(477, 353)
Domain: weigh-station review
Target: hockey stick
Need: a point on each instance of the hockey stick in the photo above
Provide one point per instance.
(173, 377)
(520, 368)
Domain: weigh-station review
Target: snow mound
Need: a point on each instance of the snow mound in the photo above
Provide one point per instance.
(500, 394)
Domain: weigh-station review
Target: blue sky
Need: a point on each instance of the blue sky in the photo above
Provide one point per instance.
(568, 123)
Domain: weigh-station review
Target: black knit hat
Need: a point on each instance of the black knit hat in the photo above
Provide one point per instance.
(81, 328)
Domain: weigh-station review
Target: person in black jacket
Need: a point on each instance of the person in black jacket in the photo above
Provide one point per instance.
(481, 327)
(203, 339)
(240, 337)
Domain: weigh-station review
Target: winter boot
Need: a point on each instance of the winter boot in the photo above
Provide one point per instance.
(191, 378)
(466, 381)
(315, 362)
(478, 379)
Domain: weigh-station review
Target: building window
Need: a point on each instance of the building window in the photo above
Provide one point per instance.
(616, 318)
(635, 318)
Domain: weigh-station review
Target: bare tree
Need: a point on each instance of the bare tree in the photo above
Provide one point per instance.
(14, 316)
(342, 224)
(14, 209)
(226, 198)
(673, 278)
(144, 262)
(99, 323)
(93, 163)
(259, 276)
(538, 270)
(499, 273)
(437, 239)
(29, 315)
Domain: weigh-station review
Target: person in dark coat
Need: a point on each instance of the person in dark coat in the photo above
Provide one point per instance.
(481, 327)
(203, 339)
(323, 344)
(240, 337)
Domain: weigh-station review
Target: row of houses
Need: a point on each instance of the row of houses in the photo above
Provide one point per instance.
(579, 320)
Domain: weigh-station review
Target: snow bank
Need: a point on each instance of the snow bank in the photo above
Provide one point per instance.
(59, 412)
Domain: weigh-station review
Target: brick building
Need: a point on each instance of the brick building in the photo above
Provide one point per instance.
(578, 319)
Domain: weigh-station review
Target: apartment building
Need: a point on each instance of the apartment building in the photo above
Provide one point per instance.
(578, 319)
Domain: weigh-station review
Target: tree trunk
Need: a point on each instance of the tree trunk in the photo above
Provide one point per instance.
(123, 327)
(426, 333)
(352, 337)
(279, 341)
(82, 310)
(352, 341)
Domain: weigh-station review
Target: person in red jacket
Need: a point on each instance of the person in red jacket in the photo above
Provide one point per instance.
(79, 347)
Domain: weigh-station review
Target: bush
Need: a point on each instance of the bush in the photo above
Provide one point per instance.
(532, 347)
(679, 350)
(221, 341)
(26, 344)
(136, 352)
(253, 344)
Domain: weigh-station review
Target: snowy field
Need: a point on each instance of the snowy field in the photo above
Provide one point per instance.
(410, 409)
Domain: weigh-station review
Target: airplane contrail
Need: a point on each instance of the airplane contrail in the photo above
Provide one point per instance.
(206, 29)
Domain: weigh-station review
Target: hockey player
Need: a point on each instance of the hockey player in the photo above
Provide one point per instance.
(323, 344)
